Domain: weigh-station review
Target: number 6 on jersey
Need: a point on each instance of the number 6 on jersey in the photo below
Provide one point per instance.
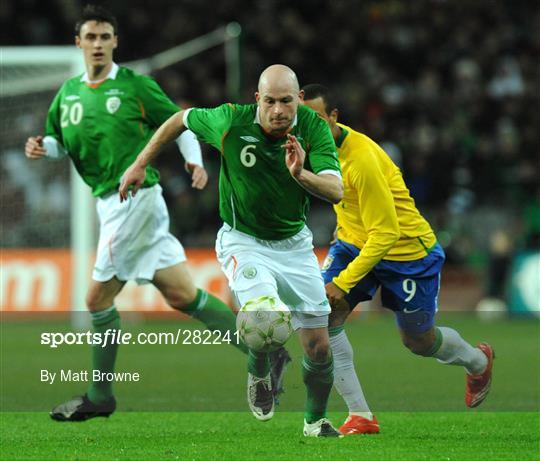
(248, 158)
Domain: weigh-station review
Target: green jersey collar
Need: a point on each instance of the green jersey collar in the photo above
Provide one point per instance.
(342, 137)
(258, 118)
(111, 75)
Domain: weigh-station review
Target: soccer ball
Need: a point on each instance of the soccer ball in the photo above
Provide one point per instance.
(264, 324)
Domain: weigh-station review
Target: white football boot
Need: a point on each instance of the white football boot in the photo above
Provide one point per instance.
(260, 397)
(321, 428)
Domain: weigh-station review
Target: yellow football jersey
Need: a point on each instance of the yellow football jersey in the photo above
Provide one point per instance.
(377, 213)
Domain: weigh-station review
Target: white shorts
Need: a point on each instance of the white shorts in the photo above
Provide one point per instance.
(285, 268)
(134, 237)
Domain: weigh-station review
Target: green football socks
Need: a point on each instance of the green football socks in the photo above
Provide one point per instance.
(103, 358)
(212, 312)
(215, 315)
(318, 378)
(258, 363)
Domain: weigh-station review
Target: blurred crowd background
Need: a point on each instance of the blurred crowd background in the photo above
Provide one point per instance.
(450, 89)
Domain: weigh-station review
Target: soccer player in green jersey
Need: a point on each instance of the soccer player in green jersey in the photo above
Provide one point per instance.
(101, 120)
(273, 155)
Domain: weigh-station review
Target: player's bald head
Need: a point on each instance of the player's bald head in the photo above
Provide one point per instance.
(278, 97)
(278, 78)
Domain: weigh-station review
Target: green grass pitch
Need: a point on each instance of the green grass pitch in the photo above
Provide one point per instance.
(190, 403)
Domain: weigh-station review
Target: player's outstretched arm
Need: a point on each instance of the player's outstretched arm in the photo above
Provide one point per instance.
(326, 186)
(136, 173)
(34, 149)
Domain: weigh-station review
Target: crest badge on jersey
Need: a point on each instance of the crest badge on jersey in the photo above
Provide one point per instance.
(113, 104)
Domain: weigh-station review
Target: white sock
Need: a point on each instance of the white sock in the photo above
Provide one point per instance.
(455, 350)
(345, 378)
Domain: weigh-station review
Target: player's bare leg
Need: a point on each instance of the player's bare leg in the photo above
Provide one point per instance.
(178, 289)
(317, 372)
(101, 295)
(360, 419)
(447, 346)
(99, 399)
(176, 285)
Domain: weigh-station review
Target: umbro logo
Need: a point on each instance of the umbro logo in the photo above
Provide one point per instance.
(249, 138)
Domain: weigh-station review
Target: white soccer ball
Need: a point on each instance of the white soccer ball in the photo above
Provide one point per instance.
(264, 324)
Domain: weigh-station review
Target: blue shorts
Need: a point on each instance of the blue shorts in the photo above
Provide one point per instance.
(409, 288)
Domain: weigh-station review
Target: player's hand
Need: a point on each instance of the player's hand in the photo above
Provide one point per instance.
(34, 148)
(336, 296)
(294, 155)
(199, 176)
(133, 176)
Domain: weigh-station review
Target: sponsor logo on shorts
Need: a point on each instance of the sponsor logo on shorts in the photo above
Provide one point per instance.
(416, 317)
(324, 303)
(249, 272)
(327, 262)
(410, 311)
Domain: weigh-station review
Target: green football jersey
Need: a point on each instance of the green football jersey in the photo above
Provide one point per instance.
(258, 195)
(103, 127)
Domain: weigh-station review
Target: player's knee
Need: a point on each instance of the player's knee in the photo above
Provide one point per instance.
(417, 345)
(318, 349)
(97, 300)
(179, 298)
(92, 302)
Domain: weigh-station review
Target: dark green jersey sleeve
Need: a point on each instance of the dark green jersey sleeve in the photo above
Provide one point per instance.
(156, 106)
(53, 126)
(211, 125)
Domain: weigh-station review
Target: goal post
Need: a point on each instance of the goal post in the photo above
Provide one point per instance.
(228, 35)
(37, 69)
(36, 73)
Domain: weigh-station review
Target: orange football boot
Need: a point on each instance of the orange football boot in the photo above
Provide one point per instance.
(359, 425)
(478, 385)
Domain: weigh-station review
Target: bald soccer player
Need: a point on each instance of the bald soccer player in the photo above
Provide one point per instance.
(101, 120)
(274, 154)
